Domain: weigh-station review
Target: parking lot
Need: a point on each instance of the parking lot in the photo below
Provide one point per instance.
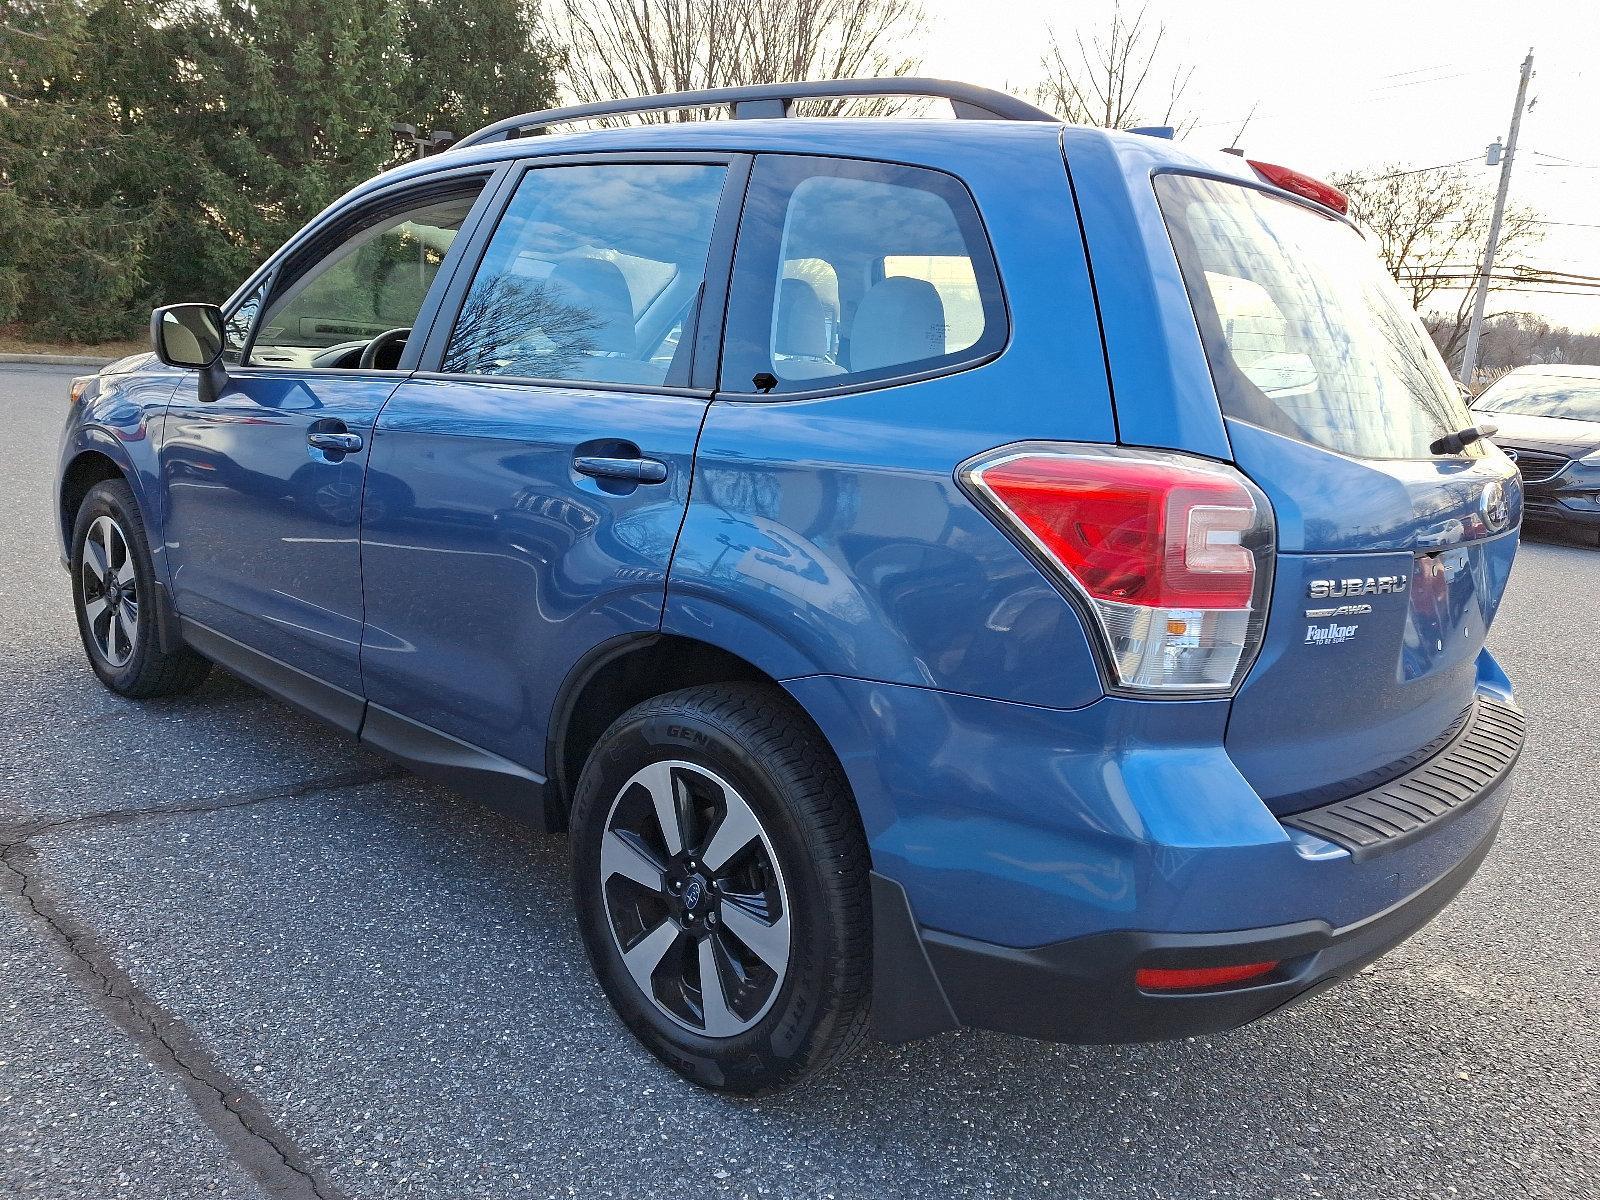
(241, 958)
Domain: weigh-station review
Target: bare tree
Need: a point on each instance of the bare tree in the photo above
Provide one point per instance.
(1429, 226)
(1515, 339)
(641, 47)
(1115, 77)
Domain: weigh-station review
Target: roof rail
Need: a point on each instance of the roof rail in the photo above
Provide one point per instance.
(774, 100)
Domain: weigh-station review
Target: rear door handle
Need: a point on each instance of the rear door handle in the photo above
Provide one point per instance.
(635, 470)
(335, 443)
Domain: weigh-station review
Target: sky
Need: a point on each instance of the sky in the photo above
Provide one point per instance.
(1355, 84)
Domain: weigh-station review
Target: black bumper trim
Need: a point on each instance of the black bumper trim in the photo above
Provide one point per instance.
(1082, 990)
(1471, 766)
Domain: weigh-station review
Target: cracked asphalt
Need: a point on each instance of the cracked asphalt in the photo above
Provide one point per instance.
(241, 958)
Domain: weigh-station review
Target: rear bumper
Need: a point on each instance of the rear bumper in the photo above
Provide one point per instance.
(1028, 862)
(1082, 990)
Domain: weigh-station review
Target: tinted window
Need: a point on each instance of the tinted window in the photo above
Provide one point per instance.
(373, 281)
(591, 275)
(1568, 397)
(1305, 332)
(851, 272)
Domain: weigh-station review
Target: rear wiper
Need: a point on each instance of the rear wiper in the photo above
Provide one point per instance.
(1455, 443)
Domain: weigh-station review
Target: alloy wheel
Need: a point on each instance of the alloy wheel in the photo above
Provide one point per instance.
(110, 592)
(695, 898)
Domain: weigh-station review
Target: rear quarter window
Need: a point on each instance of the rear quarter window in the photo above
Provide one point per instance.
(851, 273)
(1304, 331)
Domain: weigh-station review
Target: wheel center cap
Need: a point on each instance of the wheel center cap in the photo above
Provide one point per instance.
(694, 893)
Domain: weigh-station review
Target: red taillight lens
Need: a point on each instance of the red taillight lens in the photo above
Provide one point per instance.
(1172, 551)
(1161, 979)
(1301, 184)
(1136, 532)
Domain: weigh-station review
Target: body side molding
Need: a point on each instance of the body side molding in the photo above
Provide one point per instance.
(466, 768)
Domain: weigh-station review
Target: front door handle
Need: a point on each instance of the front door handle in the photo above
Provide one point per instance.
(634, 470)
(335, 443)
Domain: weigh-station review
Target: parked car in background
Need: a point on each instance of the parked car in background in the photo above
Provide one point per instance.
(942, 573)
(1547, 421)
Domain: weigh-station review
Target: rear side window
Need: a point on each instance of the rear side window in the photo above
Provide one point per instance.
(1305, 333)
(591, 275)
(854, 272)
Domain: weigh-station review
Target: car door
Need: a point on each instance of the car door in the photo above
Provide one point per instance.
(544, 450)
(264, 474)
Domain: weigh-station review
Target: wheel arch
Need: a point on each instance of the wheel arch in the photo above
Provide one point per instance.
(620, 673)
(93, 465)
(90, 466)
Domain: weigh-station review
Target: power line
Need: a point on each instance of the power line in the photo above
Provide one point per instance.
(1558, 158)
(1436, 79)
(1417, 170)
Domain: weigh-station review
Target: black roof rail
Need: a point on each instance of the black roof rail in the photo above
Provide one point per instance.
(774, 100)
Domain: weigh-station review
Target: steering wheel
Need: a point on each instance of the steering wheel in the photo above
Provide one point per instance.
(386, 339)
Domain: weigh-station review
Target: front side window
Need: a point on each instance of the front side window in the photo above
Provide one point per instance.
(855, 272)
(373, 281)
(1304, 331)
(592, 275)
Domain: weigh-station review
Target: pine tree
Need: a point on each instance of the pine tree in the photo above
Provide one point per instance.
(470, 62)
(156, 150)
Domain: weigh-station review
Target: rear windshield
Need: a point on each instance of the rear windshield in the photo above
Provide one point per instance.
(1568, 397)
(1305, 333)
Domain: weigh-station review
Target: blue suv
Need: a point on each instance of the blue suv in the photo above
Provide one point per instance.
(976, 573)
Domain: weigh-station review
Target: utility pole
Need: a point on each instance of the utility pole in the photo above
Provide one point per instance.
(1469, 356)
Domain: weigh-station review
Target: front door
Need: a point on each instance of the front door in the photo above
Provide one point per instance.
(265, 475)
(546, 456)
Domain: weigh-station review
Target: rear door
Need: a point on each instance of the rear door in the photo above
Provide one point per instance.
(526, 487)
(1391, 559)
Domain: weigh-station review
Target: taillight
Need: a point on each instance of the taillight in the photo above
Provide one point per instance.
(1302, 184)
(1172, 553)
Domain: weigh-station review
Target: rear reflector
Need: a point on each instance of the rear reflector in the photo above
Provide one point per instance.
(1301, 184)
(1172, 552)
(1160, 979)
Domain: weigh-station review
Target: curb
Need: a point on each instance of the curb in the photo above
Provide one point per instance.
(56, 360)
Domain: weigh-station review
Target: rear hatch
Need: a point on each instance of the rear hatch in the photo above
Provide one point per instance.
(1391, 559)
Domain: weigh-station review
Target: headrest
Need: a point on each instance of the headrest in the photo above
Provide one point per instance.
(900, 320)
(802, 325)
(600, 290)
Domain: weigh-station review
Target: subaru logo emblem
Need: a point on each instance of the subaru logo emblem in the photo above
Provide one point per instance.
(1495, 507)
(692, 895)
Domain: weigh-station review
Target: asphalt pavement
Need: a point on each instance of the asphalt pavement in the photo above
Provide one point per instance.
(241, 958)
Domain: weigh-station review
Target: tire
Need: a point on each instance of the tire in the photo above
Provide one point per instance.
(794, 883)
(113, 594)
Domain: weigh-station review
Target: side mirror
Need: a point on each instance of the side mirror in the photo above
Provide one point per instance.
(190, 335)
(187, 335)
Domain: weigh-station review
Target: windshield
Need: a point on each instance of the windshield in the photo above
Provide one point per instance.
(1303, 329)
(1569, 397)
